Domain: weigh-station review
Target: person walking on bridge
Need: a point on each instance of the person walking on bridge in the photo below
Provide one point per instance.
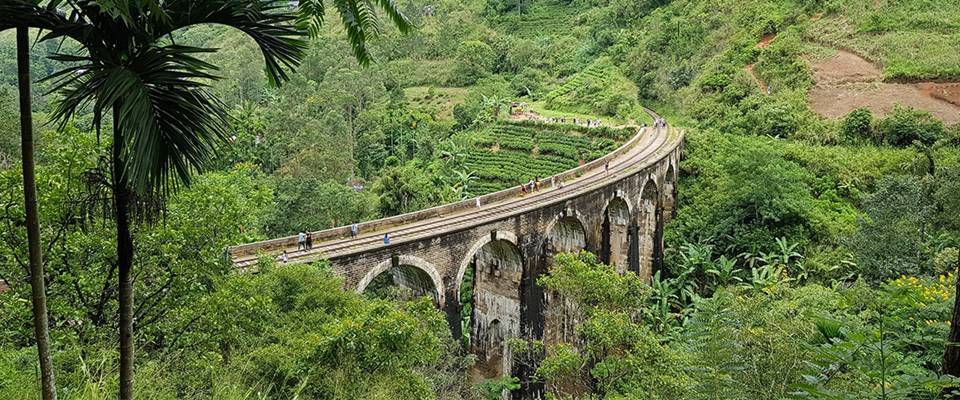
(386, 238)
(309, 241)
(301, 241)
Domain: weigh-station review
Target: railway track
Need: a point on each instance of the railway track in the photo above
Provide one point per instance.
(648, 146)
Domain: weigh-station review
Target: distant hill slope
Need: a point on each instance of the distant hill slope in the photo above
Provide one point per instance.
(510, 153)
(600, 88)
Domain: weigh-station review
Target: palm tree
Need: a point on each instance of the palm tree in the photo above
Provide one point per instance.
(38, 285)
(166, 123)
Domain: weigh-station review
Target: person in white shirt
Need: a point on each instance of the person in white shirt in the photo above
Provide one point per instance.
(301, 241)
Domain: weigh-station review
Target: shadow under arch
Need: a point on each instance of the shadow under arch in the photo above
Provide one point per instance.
(488, 290)
(566, 234)
(650, 229)
(669, 195)
(409, 271)
(616, 233)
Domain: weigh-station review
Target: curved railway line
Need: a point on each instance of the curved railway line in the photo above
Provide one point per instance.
(643, 149)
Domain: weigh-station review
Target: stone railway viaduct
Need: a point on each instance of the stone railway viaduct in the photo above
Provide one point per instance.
(508, 242)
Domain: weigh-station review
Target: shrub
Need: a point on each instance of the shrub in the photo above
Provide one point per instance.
(906, 125)
(889, 241)
(600, 88)
(529, 82)
(857, 125)
(474, 61)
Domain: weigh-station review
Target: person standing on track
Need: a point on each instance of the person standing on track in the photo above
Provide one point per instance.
(284, 257)
(354, 230)
(386, 238)
(301, 241)
(309, 241)
(606, 167)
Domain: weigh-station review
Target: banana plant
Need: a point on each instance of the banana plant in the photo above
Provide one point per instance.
(785, 254)
(767, 276)
(725, 271)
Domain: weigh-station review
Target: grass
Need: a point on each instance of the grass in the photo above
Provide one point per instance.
(410, 73)
(545, 18)
(911, 40)
(600, 88)
(437, 101)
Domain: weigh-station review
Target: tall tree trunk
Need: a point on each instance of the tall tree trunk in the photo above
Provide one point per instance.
(951, 356)
(122, 198)
(38, 285)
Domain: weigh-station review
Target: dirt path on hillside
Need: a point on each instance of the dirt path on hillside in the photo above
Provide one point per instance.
(763, 86)
(764, 42)
(846, 82)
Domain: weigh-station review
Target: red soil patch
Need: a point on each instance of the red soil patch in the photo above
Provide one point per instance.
(948, 92)
(846, 82)
(760, 84)
(816, 17)
(765, 41)
(845, 67)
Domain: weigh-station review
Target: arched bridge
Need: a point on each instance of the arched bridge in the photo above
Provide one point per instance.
(615, 206)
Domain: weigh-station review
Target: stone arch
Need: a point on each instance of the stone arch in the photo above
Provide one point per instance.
(615, 233)
(495, 263)
(648, 226)
(669, 194)
(477, 245)
(417, 264)
(567, 233)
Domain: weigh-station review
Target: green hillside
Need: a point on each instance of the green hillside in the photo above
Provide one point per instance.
(509, 154)
(600, 89)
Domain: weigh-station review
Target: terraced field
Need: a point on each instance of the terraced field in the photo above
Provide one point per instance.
(510, 153)
(601, 88)
(543, 19)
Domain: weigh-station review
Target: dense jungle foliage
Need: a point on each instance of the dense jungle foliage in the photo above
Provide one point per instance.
(809, 257)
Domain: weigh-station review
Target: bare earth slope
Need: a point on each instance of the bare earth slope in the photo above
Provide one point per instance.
(846, 81)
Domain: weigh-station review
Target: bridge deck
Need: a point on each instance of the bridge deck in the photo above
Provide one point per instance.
(644, 149)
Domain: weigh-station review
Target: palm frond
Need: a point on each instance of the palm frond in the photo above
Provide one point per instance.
(169, 120)
(393, 11)
(360, 19)
(311, 18)
(271, 24)
(16, 13)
